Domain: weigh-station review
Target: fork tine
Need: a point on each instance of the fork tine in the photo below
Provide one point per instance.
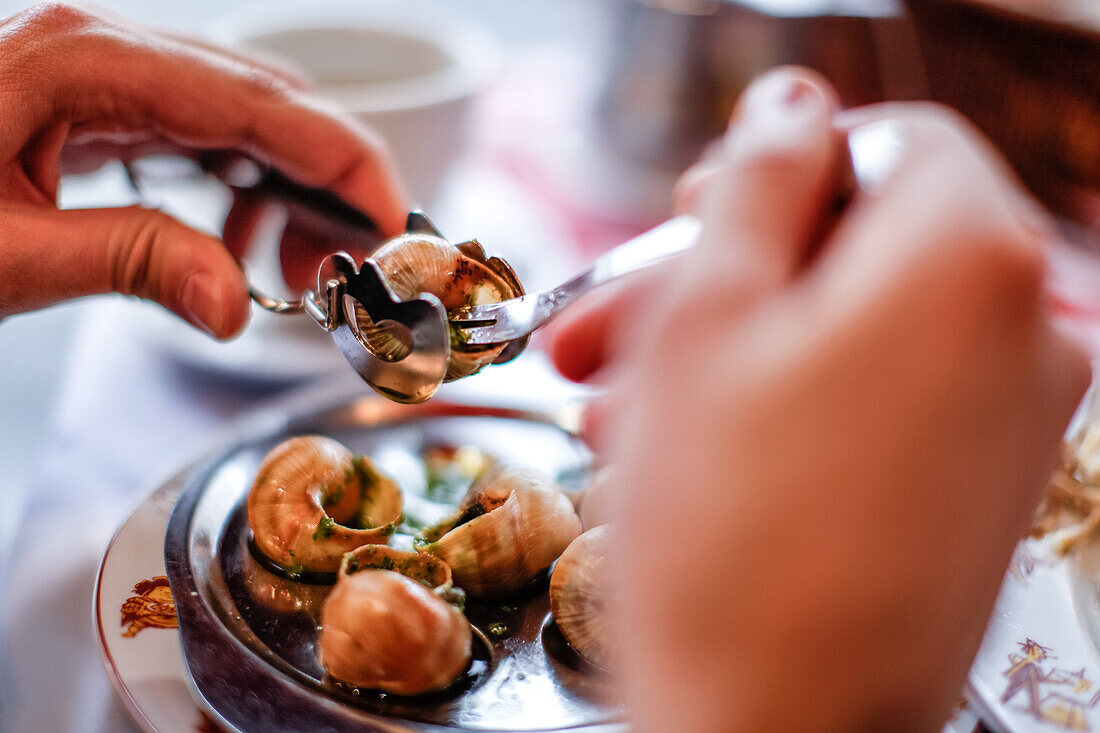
(472, 249)
(418, 221)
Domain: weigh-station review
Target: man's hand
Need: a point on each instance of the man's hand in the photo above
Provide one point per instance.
(823, 464)
(74, 83)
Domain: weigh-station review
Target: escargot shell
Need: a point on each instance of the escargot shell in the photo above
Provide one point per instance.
(426, 569)
(281, 594)
(511, 524)
(385, 631)
(416, 263)
(313, 500)
(579, 588)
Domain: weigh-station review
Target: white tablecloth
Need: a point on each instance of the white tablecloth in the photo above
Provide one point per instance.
(127, 417)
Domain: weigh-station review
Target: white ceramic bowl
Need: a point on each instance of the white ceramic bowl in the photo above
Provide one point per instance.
(404, 68)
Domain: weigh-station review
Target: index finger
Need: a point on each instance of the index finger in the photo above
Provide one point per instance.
(194, 95)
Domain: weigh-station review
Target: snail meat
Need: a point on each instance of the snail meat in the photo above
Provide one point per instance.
(512, 523)
(459, 275)
(391, 623)
(426, 569)
(313, 500)
(449, 470)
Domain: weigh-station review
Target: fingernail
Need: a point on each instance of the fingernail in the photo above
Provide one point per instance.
(876, 149)
(201, 299)
(778, 102)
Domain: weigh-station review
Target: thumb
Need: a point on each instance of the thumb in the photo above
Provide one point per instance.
(761, 194)
(771, 190)
(47, 256)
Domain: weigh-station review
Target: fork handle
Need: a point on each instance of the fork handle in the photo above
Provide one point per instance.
(499, 322)
(663, 241)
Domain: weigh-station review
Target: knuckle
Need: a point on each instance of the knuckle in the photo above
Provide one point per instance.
(770, 166)
(1002, 274)
(358, 161)
(981, 273)
(264, 89)
(947, 139)
(691, 186)
(53, 17)
(997, 255)
(264, 83)
(1013, 256)
(39, 41)
(936, 120)
(1018, 267)
(937, 114)
(134, 250)
(965, 213)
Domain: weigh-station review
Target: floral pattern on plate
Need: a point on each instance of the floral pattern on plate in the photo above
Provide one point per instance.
(1048, 693)
(1037, 665)
(151, 607)
(146, 669)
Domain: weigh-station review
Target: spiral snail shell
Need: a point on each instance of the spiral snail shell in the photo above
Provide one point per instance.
(512, 523)
(459, 276)
(391, 623)
(579, 588)
(426, 569)
(313, 500)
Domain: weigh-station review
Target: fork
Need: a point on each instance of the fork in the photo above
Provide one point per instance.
(872, 152)
(497, 323)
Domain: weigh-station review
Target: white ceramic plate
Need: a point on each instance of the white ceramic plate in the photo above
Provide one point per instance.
(1038, 668)
(135, 622)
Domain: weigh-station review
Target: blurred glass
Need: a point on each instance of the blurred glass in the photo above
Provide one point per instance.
(411, 71)
(1026, 74)
(1024, 71)
(679, 65)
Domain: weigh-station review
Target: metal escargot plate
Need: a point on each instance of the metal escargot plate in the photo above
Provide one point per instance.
(249, 636)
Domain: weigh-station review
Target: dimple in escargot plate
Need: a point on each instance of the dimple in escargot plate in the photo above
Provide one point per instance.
(249, 636)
